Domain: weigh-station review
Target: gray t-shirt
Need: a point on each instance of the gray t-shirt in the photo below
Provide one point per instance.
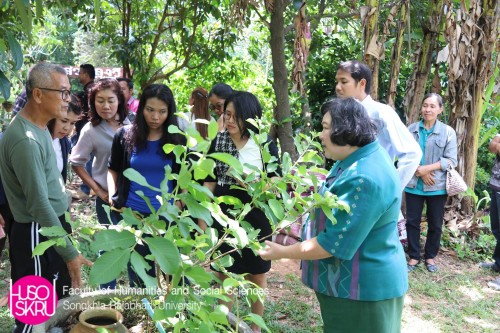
(96, 140)
(33, 184)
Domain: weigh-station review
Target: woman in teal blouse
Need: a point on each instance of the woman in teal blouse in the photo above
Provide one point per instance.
(355, 265)
(439, 147)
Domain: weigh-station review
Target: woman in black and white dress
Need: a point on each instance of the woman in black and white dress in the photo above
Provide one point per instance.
(235, 140)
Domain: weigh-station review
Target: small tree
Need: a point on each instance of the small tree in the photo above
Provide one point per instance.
(181, 249)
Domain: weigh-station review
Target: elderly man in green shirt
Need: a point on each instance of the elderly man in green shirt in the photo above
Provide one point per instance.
(34, 187)
(356, 265)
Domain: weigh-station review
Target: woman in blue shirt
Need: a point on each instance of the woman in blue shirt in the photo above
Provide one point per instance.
(355, 265)
(140, 147)
(439, 147)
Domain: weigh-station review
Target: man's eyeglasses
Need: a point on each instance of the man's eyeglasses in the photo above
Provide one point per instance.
(215, 107)
(65, 93)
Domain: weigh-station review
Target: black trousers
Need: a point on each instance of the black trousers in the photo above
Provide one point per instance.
(495, 223)
(24, 237)
(435, 212)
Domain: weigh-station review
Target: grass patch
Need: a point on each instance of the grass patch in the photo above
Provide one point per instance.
(456, 299)
(297, 305)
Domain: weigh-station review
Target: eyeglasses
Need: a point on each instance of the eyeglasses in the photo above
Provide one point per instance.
(216, 106)
(229, 116)
(65, 93)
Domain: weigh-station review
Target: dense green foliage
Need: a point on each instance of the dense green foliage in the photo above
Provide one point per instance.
(178, 245)
(331, 44)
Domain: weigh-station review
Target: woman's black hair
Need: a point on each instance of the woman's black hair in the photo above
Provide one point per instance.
(74, 106)
(246, 106)
(350, 124)
(138, 135)
(221, 90)
(104, 84)
(438, 97)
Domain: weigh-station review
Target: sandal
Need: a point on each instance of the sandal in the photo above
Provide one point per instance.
(411, 268)
(431, 267)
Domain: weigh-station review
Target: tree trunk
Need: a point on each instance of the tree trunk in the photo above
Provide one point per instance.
(126, 12)
(306, 109)
(416, 85)
(280, 73)
(396, 54)
(472, 35)
(370, 38)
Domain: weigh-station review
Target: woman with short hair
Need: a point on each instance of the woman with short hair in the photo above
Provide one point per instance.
(356, 265)
(236, 140)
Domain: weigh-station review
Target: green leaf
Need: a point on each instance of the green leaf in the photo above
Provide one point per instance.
(256, 319)
(135, 176)
(129, 217)
(3, 49)
(277, 209)
(24, 11)
(43, 246)
(194, 135)
(168, 148)
(165, 253)
(140, 266)
(112, 239)
(203, 168)
(109, 266)
(219, 315)
(184, 177)
(241, 236)
(229, 284)
(179, 152)
(196, 210)
(146, 200)
(55, 231)
(226, 261)
(213, 129)
(198, 274)
(174, 129)
(173, 303)
(312, 156)
(87, 231)
(203, 146)
(15, 50)
(229, 200)
(229, 160)
(266, 155)
(328, 212)
(61, 242)
(200, 192)
(4, 86)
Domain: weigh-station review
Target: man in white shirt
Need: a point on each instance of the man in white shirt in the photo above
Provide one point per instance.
(354, 79)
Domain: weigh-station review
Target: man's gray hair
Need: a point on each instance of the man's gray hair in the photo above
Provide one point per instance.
(40, 76)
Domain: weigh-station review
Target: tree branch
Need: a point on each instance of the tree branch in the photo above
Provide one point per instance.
(261, 17)
(160, 30)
